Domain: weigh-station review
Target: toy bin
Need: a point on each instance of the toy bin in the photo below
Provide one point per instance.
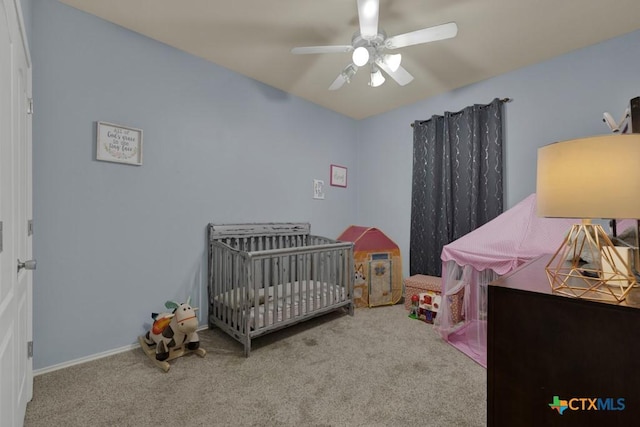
(420, 283)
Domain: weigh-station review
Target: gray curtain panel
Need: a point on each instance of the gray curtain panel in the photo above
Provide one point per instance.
(457, 180)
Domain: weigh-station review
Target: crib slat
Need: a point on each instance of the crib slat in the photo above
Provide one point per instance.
(255, 286)
(315, 289)
(298, 278)
(336, 290)
(325, 279)
(233, 278)
(343, 285)
(307, 284)
(213, 282)
(266, 288)
(277, 268)
(227, 279)
(290, 285)
(321, 278)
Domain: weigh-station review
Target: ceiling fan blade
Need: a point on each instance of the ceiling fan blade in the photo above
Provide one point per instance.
(401, 76)
(426, 35)
(322, 49)
(338, 82)
(368, 18)
(344, 77)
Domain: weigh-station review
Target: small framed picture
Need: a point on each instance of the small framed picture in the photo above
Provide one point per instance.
(338, 176)
(318, 189)
(120, 144)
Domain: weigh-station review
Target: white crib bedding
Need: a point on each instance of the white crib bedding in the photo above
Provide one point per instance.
(287, 300)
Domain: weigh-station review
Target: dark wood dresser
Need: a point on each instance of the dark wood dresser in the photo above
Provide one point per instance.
(547, 350)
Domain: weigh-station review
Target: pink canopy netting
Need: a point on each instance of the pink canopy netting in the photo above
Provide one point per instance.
(516, 236)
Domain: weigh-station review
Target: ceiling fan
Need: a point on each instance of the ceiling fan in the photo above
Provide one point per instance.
(369, 46)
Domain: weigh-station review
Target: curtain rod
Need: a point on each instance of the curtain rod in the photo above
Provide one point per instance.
(501, 100)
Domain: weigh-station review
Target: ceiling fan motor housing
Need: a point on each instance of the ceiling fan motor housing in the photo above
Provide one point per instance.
(374, 46)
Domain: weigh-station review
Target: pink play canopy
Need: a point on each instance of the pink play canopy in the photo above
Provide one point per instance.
(516, 236)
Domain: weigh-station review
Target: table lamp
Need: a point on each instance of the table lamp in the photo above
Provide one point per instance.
(591, 178)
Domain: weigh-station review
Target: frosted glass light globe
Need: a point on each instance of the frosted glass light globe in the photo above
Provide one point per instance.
(360, 56)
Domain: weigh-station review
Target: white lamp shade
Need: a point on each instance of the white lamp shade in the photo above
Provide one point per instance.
(360, 56)
(376, 78)
(596, 177)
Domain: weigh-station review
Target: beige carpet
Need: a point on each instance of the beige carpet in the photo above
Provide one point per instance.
(377, 368)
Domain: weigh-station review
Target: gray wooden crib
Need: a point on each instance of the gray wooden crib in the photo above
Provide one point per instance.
(264, 277)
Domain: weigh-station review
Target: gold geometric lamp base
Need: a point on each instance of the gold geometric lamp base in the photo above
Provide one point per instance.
(593, 177)
(608, 277)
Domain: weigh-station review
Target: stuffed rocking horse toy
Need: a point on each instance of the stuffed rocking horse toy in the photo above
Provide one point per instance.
(172, 335)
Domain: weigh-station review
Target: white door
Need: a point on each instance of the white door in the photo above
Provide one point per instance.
(16, 368)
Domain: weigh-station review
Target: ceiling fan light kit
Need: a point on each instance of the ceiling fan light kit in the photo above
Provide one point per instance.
(369, 44)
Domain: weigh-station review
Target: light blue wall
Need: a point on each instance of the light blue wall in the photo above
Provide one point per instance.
(114, 242)
(559, 99)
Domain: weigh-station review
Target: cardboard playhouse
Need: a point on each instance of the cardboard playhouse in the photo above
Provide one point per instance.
(378, 266)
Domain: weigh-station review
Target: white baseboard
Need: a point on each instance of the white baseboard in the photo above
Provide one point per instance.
(96, 356)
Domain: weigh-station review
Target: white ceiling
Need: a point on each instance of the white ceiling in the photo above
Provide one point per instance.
(254, 38)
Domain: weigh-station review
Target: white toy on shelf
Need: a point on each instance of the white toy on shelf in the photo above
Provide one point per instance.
(621, 126)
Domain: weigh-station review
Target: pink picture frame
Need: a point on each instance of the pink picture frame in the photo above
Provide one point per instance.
(338, 176)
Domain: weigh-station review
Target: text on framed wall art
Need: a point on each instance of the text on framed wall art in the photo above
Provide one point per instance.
(118, 144)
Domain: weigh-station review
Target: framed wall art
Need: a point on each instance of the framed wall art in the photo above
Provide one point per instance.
(338, 176)
(318, 189)
(119, 144)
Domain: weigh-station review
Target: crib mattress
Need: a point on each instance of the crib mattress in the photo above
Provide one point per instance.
(287, 301)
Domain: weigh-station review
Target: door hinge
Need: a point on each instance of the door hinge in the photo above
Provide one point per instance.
(29, 227)
(30, 349)
(29, 105)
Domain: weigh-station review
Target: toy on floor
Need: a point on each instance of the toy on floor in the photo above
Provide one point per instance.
(413, 310)
(429, 305)
(172, 335)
